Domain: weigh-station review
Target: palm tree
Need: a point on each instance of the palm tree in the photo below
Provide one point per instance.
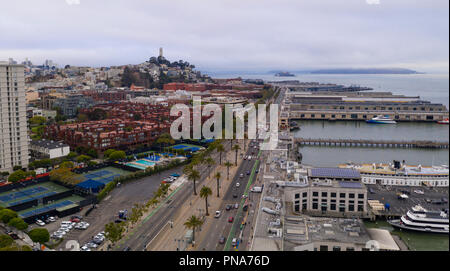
(192, 223)
(188, 169)
(210, 162)
(205, 192)
(217, 176)
(236, 148)
(228, 165)
(194, 175)
(220, 149)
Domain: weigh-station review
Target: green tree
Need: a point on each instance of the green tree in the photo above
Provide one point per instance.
(114, 231)
(218, 176)
(117, 155)
(92, 153)
(66, 164)
(17, 176)
(193, 223)
(71, 155)
(39, 235)
(210, 162)
(108, 152)
(83, 158)
(228, 165)
(205, 192)
(65, 175)
(37, 120)
(18, 223)
(6, 215)
(5, 241)
(193, 176)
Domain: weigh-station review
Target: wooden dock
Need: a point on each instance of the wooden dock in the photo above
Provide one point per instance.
(371, 143)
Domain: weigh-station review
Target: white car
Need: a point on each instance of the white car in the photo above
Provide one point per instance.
(40, 222)
(238, 184)
(217, 214)
(92, 245)
(85, 248)
(419, 192)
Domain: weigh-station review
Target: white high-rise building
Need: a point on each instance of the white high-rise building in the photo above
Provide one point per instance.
(13, 121)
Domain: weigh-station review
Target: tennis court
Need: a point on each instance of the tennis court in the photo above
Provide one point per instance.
(105, 175)
(187, 147)
(74, 199)
(29, 193)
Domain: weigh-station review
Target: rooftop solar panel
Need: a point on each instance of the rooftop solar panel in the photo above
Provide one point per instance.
(335, 172)
(350, 184)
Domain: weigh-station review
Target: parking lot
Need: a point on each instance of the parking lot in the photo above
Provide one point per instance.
(138, 191)
(431, 198)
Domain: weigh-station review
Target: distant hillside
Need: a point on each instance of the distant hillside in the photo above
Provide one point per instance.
(365, 71)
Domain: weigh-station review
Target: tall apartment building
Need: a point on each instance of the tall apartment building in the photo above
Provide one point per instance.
(13, 119)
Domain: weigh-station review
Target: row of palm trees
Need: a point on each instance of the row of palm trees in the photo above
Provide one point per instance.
(193, 169)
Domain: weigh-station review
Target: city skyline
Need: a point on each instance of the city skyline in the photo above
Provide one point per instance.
(233, 36)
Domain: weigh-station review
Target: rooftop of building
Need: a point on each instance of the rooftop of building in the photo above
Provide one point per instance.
(49, 144)
(344, 173)
(315, 229)
(389, 169)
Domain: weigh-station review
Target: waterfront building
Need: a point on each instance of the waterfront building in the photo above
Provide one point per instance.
(336, 192)
(13, 118)
(399, 174)
(330, 105)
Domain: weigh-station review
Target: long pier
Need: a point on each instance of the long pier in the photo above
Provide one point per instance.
(371, 143)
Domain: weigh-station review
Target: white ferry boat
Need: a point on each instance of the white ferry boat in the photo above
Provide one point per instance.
(400, 174)
(382, 120)
(420, 219)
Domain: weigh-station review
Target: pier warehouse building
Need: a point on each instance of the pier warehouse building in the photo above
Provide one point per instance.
(331, 105)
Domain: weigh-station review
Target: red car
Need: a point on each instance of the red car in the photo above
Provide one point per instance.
(230, 219)
(76, 220)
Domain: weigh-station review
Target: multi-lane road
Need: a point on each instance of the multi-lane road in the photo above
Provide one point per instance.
(221, 227)
(143, 234)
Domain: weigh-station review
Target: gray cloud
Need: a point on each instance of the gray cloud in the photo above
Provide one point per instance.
(230, 34)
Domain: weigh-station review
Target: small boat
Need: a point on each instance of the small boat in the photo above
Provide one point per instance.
(294, 126)
(382, 120)
(444, 121)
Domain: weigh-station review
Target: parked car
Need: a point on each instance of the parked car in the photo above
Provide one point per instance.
(241, 175)
(85, 248)
(40, 222)
(76, 220)
(230, 219)
(444, 200)
(236, 206)
(427, 200)
(228, 207)
(238, 184)
(248, 172)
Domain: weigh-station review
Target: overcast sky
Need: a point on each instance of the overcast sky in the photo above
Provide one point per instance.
(227, 35)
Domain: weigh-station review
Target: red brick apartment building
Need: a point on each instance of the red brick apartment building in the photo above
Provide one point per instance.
(107, 134)
(128, 125)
